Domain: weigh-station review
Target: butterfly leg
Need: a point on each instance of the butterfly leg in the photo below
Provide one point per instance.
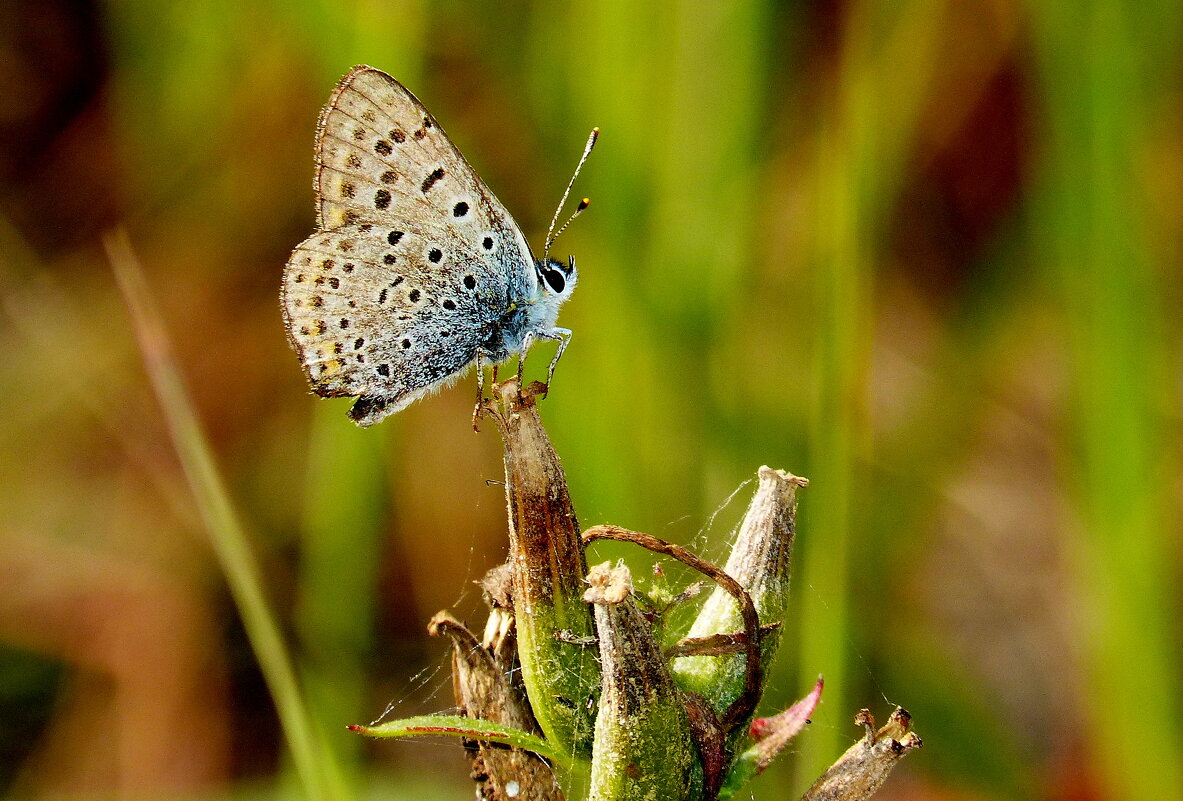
(480, 391)
(560, 335)
(527, 341)
(563, 336)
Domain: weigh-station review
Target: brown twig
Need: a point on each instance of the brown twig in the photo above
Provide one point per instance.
(746, 702)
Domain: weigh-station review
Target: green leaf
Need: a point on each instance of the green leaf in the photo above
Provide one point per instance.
(467, 728)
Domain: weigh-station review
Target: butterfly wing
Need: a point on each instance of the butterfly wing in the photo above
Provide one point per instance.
(415, 261)
(371, 315)
(374, 136)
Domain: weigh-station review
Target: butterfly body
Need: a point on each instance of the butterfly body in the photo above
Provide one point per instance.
(416, 271)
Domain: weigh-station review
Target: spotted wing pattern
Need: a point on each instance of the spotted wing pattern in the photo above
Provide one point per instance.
(415, 263)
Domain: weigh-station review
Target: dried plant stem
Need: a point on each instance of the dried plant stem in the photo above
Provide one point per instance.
(643, 722)
(318, 772)
(548, 567)
(861, 771)
(742, 706)
(483, 691)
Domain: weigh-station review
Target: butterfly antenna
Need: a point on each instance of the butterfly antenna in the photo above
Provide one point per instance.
(583, 204)
(551, 233)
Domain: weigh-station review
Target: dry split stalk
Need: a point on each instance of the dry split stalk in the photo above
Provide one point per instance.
(861, 771)
(483, 690)
(554, 624)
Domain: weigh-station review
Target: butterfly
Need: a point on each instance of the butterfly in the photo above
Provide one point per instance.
(416, 270)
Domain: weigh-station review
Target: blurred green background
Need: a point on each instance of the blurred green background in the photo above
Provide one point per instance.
(925, 253)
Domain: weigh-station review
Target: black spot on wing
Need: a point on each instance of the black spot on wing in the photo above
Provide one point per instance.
(432, 178)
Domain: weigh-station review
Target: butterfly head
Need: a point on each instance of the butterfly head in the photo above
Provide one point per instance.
(556, 279)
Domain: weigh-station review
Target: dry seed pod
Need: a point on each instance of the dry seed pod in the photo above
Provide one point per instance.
(643, 746)
(483, 691)
(759, 561)
(546, 554)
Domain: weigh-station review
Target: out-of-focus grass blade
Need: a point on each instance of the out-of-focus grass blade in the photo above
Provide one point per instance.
(860, 156)
(340, 544)
(313, 764)
(345, 502)
(385, 35)
(1110, 82)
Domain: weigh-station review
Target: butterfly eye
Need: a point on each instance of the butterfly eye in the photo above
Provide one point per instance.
(555, 280)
